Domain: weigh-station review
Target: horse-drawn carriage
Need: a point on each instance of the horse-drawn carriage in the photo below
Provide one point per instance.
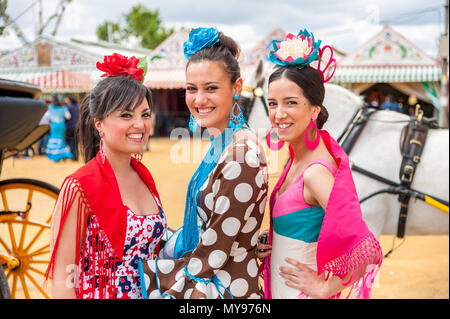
(26, 204)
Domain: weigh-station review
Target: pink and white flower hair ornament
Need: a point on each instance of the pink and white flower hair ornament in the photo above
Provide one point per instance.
(303, 50)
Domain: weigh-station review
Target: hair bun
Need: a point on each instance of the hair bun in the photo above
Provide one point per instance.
(230, 44)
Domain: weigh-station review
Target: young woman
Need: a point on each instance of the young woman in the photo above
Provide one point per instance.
(316, 223)
(213, 255)
(56, 148)
(108, 212)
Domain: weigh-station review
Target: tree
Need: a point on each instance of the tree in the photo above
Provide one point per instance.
(140, 22)
(109, 31)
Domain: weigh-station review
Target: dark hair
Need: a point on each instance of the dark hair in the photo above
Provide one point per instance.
(311, 83)
(110, 94)
(226, 51)
(56, 101)
(72, 99)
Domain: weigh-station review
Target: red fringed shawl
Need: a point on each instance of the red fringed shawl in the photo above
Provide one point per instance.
(99, 195)
(345, 243)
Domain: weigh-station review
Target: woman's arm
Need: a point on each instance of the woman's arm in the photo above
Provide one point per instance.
(63, 280)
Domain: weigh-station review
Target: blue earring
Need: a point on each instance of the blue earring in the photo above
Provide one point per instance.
(236, 121)
(193, 125)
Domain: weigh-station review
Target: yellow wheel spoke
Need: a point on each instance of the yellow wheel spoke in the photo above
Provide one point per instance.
(14, 285)
(8, 251)
(24, 228)
(40, 272)
(35, 237)
(41, 251)
(37, 285)
(24, 286)
(5, 202)
(12, 237)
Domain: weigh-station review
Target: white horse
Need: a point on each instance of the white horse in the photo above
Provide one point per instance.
(377, 150)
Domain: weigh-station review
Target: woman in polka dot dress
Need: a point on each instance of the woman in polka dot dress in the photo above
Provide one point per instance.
(230, 200)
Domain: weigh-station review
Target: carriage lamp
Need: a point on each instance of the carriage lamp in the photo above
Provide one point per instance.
(258, 92)
(412, 100)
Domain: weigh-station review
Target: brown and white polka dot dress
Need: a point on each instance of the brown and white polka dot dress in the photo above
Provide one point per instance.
(233, 204)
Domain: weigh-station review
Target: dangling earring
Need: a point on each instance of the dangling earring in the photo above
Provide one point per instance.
(273, 146)
(138, 156)
(236, 121)
(102, 151)
(312, 144)
(193, 125)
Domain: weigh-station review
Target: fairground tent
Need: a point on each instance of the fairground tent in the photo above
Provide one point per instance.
(60, 66)
(389, 58)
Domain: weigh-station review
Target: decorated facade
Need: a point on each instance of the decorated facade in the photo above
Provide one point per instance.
(166, 77)
(59, 66)
(389, 64)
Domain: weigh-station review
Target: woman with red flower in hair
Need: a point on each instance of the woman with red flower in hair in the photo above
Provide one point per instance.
(108, 213)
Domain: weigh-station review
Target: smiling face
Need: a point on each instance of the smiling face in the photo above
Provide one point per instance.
(209, 93)
(126, 131)
(289, 110)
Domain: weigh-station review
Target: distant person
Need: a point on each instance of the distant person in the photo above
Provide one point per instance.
(45, 120)
(390, 104)
(72, 125)
(373, 98)
(56, 147)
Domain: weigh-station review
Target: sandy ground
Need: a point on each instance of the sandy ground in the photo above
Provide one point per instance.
(418, 269)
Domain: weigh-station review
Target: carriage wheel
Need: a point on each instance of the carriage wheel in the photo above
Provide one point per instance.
(27, 236)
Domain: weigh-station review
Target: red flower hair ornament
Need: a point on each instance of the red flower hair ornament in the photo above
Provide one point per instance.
(120, 65)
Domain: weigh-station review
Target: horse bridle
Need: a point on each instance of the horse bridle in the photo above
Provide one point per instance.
(255, 92)
(414, 142)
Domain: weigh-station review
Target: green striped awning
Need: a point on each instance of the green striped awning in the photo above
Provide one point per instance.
(386, 74)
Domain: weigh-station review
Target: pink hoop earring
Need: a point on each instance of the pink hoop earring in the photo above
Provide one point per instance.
(273, 146)
(312, 144)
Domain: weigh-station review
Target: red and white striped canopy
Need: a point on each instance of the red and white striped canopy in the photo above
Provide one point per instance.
(54, 81)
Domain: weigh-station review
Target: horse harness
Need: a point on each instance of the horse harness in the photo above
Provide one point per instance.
(254, 93)
(412, 142)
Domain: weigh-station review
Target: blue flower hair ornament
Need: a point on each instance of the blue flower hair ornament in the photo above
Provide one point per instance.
(302, 50)
(198, 39)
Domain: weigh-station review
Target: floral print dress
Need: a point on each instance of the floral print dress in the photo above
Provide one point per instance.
(143, 235)
(232, 207)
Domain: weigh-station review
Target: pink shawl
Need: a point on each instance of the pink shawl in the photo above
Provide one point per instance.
(345, 244)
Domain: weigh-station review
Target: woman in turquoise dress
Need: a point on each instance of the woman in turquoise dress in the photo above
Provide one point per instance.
(57, 149)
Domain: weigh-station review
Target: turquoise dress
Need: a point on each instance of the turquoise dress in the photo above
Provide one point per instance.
(57, 149)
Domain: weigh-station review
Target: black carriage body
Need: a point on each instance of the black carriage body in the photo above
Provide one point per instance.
(20, 114)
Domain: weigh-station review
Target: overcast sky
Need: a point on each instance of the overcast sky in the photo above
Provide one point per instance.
(342, 23)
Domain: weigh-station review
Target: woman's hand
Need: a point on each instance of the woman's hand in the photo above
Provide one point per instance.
(304, 279)
(263, 249)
